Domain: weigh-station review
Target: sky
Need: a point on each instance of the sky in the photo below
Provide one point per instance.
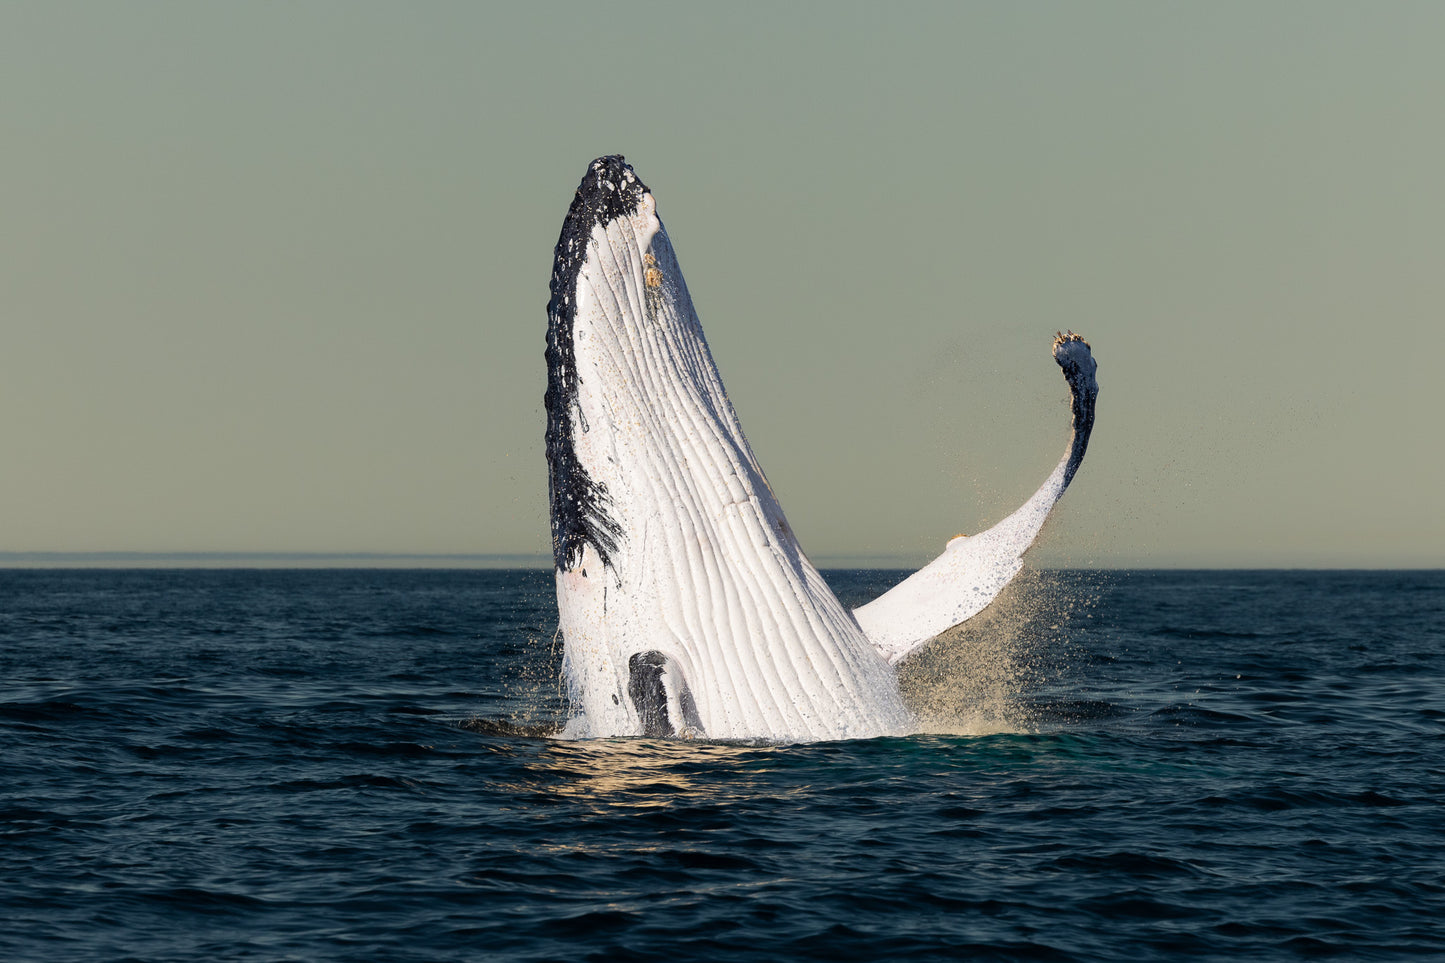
(273, 276)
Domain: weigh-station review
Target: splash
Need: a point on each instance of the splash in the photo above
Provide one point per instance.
(530, 696)
(983, 677)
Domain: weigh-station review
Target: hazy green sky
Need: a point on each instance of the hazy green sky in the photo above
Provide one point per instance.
(273, 276)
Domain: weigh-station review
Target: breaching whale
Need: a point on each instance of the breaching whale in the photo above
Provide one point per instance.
(686, 606)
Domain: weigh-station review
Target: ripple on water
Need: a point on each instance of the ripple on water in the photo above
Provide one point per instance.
(360, 766)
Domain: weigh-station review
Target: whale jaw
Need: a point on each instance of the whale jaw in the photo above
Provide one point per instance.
(685, 604)
(609, 192)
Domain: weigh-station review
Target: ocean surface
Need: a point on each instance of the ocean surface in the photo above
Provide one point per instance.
(358, 765)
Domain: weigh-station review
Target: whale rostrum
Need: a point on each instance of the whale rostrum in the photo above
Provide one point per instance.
(686, 606)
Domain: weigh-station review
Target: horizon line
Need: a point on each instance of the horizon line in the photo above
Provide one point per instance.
(531, 560)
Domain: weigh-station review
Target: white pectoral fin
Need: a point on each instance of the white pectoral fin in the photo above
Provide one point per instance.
(958, 584)
(973, 570)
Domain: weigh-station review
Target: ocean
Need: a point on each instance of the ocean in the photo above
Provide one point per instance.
(360, 765)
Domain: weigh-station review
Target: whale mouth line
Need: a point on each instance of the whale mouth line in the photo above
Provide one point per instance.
(686, 606)
(579, 505)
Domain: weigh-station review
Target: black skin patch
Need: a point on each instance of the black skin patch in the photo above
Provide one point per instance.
(648, 676)
(648, 695)
(1085, 391)
(608, 191)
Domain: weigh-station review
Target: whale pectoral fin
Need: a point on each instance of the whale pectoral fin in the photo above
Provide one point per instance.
(660, 694)
(971, 572)
(951, 589)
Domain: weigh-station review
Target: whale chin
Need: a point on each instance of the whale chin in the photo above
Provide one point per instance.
(686, 606)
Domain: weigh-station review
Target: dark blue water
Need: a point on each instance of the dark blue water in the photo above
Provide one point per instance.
(353, 765)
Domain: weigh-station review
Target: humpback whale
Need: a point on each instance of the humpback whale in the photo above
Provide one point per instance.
(687, 609)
